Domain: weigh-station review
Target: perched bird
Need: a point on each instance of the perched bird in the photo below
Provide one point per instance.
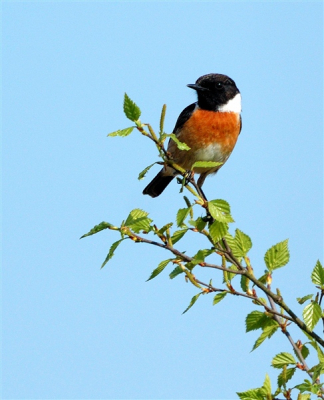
(210, 127)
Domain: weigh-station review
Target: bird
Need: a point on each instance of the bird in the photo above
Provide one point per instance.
(210, 127)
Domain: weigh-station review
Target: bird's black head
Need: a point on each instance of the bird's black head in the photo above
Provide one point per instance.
(215, 93)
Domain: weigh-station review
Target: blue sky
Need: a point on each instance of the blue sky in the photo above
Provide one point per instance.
(73, 331)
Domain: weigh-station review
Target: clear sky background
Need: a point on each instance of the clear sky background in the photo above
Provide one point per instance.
(73, 331)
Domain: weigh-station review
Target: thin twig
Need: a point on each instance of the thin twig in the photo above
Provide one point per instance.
(268, 309)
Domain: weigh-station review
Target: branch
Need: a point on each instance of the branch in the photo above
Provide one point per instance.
(255, 298)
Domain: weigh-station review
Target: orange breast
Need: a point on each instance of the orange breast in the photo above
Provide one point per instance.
(217, 132)
(208, 127)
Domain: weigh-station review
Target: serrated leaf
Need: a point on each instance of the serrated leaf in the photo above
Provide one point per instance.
(267, 332)
(144, 172)
(252, 394)
(180, 145)
(177, 271)
(255, 320)
(262, 300)
(277, 256)
(263, 278)
(232, 243)
(219, 297)
(178, 235)
(122, 132)
(318, 274)
(320, 353)
(200, 224)
(317, 371)
(304, 351)
(192, 302)
(282, 359)
(159, 269)
(218, 230)
(134, 215)
(220, 210)
(266, 387)
(97, 228)
(285, 376)
(137, 221)
(206, 164)
(131, 110)
(312, 314)
(243, 243)
(165, 227)
(182, 215)
(301, 300)
(305, 386)
(199, 257)
(112, 249)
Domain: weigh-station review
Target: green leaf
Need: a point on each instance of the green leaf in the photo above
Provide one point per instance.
(228, 276)
(182, 215)
(312, 314)
(244, 283)
(262, 300)
(304, 351)
(301, 300)
(219, 297)
(165, 227)
(267, 332)
(159, 269)
(97, 228)
(200, 224)
(199, 257)
(232, 243)
(180, 145)
(255, 320)
(277, 256)
(266, 388)
(206, 164)
(318, 274)
(131, 110)
(192, 302)
(303, 396)
(252, 394)
(123, 132)
(144, 172)
(137, 221)
(263, 278)
(218, 230)
(285, 375)
(320, 353)
(243, 243)
(177, 271)
(178, 235)
(308, 386)
(282, 359)
(220, 210)
(112, 249)
(317, 371)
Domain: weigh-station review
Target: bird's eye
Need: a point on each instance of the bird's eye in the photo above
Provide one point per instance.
(219, 85)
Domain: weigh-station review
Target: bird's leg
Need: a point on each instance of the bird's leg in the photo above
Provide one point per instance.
(186, 178)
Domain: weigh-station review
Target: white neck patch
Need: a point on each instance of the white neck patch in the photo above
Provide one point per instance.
(233, 105)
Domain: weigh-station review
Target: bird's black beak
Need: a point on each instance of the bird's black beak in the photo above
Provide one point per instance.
(197, 87)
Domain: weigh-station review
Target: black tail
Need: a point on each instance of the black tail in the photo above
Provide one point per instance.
(158, 184)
